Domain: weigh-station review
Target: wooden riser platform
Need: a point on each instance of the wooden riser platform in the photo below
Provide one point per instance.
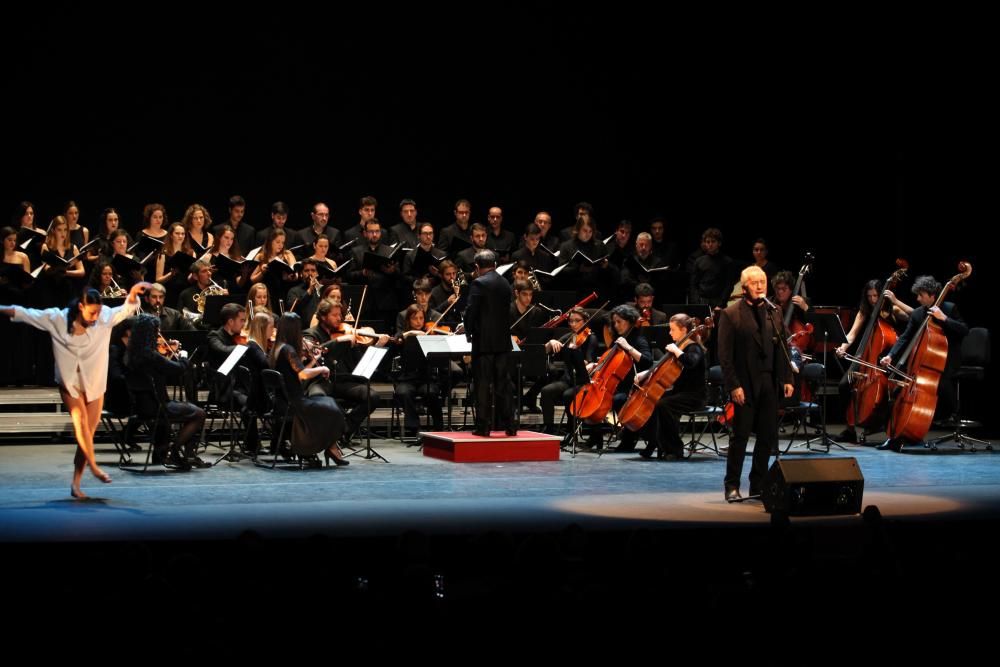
(464, 447)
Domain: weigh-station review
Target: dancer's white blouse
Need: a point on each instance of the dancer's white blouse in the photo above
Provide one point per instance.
(86, 353)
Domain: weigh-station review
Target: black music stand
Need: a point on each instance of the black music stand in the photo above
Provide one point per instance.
(225, 371)
(447, 348)
(366, 367)
(829, 326)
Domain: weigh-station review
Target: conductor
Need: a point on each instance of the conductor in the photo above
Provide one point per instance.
(486, 319)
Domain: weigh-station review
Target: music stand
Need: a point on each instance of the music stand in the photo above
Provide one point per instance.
(224, 370)
(448, 348)
(213, 304)
(828, 325)
(373, 356)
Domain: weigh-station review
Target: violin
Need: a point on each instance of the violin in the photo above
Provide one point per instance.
(645, 317)
(581, 337)
(168, 348)
(435, 328)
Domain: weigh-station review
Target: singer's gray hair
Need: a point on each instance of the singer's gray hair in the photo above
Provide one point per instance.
(751, 272)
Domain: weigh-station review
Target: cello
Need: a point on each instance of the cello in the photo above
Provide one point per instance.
(641, 403)
(925, 360)
(593, 401)
(869, 383)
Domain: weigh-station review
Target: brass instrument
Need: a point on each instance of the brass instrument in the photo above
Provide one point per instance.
(534, 281)
(113, 291)
(211, 290)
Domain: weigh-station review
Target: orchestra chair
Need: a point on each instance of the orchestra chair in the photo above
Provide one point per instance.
(279, 415)
(975, 359)
(696, 424)
(149, 422)
(814, 375)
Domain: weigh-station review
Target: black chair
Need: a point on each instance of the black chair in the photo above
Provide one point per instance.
(279, 415)
(149, 423)
(699, 423)
(813, 375)
(975, 358)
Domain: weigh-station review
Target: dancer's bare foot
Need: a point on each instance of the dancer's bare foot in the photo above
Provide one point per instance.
(76, 492)
(101, 475)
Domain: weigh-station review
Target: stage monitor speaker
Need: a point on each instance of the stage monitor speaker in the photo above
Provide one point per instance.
(811, 487)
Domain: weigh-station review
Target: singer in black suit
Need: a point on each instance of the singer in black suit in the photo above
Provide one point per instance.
(755, 368)
(487, 327)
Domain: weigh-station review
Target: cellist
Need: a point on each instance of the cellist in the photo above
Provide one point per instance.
(575, 349)
(688, 392)
(896, 316)
(623, 321)
(926, 288)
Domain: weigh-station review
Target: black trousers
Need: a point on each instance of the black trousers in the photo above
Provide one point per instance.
(491, 374)
(406, 394)
(347, 392)
(758, 414)
(668, 412)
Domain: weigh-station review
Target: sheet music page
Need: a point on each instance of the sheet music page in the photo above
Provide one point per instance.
(369, 362)
(230, 363)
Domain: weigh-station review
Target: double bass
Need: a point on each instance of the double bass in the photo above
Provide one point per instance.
(869, 384)
(803, 337)
(925, 360)
(641, 403)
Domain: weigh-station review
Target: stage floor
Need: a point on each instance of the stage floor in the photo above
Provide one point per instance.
(372, 498)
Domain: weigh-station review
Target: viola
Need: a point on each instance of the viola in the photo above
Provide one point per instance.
(927, 354)
(641, 403)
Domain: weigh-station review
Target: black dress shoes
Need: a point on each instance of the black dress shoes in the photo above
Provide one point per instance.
(510, 430)
(733, 494)
(481, 432)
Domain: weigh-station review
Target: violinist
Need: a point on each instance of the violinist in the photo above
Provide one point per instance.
(623, 322)
(926, 288)
(414, 378)
(755, 369)
(896, 316)
(340, 354)
(421, 297)
(575, 349)
(146, 378)
(221, 342)
(687, 394)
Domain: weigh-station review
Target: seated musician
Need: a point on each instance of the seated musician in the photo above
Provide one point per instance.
(524, 316)
(575, 350)
(304, 297)
(221, 343)
(896, 316)
(623, 321)
(415, 377)
(784, 284)
(421, 296)
(341, 357)
(170, 319)
(644, 295)
(448, 292)
(687, 394)
(955, 329)
(146, 377)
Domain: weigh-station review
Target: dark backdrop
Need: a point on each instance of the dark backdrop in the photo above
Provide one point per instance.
(856, 136)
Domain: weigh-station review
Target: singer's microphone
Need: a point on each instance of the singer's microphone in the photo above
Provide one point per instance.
(769, 303)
